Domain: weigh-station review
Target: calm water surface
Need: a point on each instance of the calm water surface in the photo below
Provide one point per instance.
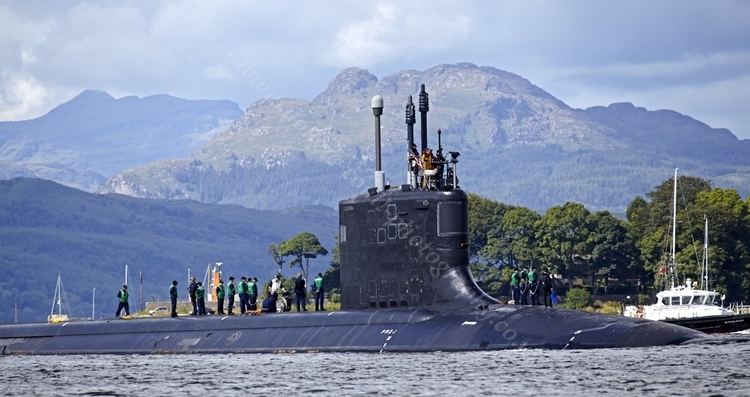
(721, 367)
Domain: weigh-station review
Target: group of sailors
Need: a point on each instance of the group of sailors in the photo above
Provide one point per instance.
(528, 286)
(247, 293)
(428, 163)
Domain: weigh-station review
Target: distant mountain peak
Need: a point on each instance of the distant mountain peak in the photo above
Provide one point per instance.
(92, 94)
(349, 81)
(520, 144)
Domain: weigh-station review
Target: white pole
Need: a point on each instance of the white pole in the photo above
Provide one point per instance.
(140, 281)
(674, 228)
(15, 307)
(59, 295)
(93, 304)
(207, 283)
(126, 274)
(705, 258)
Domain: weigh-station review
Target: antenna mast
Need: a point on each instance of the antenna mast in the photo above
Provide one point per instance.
(672, 269)
(377, 111)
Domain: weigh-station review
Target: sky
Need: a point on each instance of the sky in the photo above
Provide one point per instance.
(690, 56)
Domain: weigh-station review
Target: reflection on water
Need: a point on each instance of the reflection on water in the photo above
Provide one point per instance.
(719, 367)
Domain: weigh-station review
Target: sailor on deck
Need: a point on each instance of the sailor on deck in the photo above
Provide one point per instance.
(319, 292)
(122, 297)
(231, 290)
(252, 294)
(220, 292)
(191, 292)
(173, 297)
(200, 294)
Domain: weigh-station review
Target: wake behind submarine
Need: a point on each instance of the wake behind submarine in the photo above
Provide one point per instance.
(406, 287)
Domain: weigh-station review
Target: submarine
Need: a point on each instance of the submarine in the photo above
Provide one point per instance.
(406, 287)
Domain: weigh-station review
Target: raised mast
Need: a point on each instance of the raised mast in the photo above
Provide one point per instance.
(704, 278)
(672, 270)
(57, 299)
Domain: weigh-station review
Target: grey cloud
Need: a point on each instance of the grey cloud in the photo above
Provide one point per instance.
(243, 50)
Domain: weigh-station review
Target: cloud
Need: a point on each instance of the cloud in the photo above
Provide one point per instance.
(579, 50)
(394, 30)
(19, 96)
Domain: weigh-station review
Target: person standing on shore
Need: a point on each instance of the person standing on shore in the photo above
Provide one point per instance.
(173, 297)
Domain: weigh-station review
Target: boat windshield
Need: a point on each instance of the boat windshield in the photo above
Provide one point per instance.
(698, 299)
(686, 299)
(675, 300)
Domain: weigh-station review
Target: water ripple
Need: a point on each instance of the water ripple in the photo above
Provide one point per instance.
(695, 369)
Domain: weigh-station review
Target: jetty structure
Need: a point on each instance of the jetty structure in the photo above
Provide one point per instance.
(406, 287)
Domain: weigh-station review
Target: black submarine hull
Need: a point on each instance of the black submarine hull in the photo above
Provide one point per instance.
(377, 331)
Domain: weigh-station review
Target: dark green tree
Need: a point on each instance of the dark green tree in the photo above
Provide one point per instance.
(563, 239)
(278, 259)
(612, 250)
(729, 241)
(650, 223)
(488, 277)
(302, 247)
(485, 219)
(514, 242)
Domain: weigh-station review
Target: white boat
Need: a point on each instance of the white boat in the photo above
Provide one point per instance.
(690, 305)
(681, 302)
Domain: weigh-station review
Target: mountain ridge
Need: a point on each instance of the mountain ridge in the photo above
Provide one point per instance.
(520, 145)
(48, 228)
(93, 136)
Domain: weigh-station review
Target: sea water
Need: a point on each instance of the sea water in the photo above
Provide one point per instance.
(720, 366)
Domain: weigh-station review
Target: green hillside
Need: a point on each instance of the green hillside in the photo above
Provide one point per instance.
(46, 228)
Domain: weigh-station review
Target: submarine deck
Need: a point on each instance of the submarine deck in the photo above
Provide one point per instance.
(388, 330)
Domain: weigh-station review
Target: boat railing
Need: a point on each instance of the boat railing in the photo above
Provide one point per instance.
(739, 308)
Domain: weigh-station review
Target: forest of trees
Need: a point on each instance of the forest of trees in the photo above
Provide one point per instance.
(599, 250)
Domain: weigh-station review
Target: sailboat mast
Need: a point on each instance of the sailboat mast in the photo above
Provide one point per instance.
(704, 281)
(672, 270)
(54, 299)
(59, 295)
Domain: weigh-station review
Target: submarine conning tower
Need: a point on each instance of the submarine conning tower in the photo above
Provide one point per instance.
(408, 246)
